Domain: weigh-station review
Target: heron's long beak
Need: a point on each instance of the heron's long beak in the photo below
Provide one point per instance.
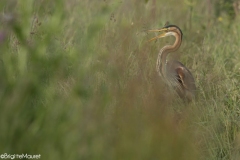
(159, 36)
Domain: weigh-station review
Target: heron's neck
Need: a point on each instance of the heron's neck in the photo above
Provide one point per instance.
(162, 56)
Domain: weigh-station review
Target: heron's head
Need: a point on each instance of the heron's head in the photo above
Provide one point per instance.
(168, 30)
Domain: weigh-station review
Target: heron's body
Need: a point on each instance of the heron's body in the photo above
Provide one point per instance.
(175, 74)
(181, 79)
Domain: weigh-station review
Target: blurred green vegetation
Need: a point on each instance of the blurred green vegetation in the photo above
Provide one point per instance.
(78, 80)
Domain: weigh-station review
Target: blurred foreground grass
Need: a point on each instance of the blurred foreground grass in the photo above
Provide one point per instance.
(78, 81)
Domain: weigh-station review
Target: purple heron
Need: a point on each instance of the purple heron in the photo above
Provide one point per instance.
(174, 73)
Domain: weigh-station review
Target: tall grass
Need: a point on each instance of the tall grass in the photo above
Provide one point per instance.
(78, 81)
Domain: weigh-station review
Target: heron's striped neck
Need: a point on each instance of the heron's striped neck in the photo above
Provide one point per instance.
(162, 56)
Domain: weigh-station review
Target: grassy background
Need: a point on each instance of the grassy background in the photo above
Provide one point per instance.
(78, 81)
